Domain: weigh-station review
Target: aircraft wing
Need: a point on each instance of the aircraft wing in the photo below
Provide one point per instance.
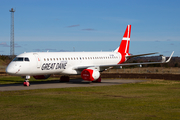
(104, 67)
(130, 56)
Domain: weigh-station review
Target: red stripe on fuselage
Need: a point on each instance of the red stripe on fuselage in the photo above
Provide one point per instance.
(123, 58)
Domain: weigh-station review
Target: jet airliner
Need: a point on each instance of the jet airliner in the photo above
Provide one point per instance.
(41, 65)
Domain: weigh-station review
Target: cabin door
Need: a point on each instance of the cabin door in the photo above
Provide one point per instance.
(38, 60)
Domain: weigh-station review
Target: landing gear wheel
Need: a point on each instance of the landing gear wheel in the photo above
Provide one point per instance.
(64, 79)
(97, 81)
(26, 83)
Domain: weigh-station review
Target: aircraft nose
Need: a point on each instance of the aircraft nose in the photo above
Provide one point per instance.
(11, 69)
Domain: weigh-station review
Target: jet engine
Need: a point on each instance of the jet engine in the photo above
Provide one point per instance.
(41, 76)
(90, 74)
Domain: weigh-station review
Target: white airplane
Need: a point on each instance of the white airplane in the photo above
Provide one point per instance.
(41, 65)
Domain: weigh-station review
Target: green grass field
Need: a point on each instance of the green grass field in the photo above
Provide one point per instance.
(155, 99)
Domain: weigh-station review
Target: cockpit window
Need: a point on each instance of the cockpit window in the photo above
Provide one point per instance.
(20, 59)
(26, 59)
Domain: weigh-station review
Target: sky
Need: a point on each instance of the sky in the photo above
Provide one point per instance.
(90, 25)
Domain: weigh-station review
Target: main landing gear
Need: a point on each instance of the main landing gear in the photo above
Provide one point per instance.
(97, 81)
(64, 79)
(26, 81)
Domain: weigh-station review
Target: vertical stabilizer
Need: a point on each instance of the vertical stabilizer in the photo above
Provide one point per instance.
(124, 46)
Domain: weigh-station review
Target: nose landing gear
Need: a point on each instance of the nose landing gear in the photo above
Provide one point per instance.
(26, 81)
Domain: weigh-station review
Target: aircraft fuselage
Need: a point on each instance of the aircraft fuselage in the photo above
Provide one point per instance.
(59, 62)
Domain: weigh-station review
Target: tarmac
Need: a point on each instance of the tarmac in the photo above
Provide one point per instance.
(71, 83)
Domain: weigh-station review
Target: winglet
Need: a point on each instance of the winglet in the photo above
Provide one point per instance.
(170, 57)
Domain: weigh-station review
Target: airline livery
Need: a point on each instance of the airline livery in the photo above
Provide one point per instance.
(41, 65)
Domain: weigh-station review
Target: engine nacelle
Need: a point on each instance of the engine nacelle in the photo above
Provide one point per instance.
(41, 76)
(90, 74)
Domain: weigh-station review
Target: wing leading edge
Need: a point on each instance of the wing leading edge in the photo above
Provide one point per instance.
(130, 56)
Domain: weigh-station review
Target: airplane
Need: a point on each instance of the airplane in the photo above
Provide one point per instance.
(41, 65)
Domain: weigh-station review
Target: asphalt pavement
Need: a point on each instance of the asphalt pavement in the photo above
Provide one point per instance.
(71, 83)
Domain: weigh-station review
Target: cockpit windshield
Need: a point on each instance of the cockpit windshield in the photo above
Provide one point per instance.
(26, 59)
(20, 59)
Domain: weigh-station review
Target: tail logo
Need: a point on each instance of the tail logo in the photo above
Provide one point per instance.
(124, 46)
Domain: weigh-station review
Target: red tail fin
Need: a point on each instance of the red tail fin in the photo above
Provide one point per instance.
(124, 46)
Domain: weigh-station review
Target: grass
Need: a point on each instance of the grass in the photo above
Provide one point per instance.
(156, 99)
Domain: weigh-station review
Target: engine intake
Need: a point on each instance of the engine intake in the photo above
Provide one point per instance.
(90, 74)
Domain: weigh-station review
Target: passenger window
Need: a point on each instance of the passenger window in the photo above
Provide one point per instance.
(44, 59)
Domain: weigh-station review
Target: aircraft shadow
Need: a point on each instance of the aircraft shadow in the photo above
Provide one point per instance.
(72, 81)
